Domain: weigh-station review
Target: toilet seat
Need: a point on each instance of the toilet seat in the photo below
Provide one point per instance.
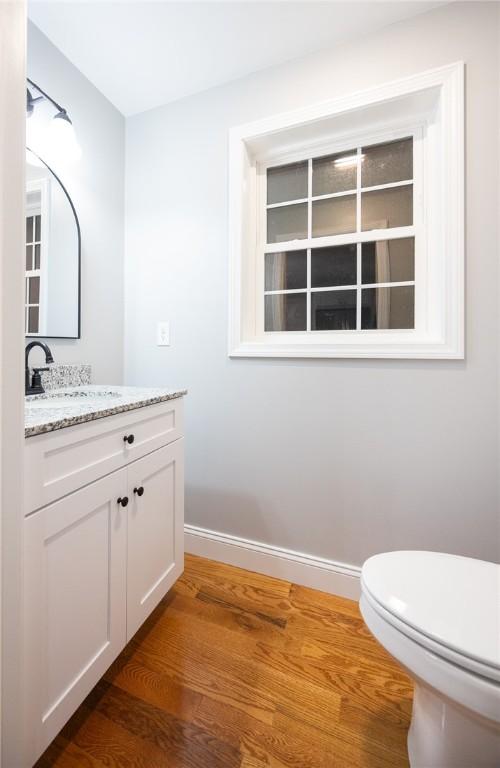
(447, 604)
(437, 650)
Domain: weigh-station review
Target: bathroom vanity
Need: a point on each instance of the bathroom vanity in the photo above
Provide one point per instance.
(104, 517)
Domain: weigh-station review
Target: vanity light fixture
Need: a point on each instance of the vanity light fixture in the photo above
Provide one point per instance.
(61, 135)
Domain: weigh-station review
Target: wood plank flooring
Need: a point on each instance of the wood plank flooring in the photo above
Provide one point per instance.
(239, 670)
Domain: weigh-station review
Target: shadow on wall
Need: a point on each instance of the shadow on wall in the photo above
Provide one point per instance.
(236, 512)
(231, 511)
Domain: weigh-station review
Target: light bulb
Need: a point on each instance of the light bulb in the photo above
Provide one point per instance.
(61, 138)
(348, 161)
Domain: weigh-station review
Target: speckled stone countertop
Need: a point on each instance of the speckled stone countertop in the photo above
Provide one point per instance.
(61, 408)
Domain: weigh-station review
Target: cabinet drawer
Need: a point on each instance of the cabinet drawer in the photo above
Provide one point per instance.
(60, 462)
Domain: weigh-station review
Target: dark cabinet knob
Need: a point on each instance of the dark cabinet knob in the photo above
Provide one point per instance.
(139, 491)
(123, 501)
(129, 439)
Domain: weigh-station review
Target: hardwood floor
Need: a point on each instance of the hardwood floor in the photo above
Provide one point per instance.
(239, 670)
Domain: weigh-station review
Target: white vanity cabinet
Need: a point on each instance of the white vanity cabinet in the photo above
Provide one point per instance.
(99, 559)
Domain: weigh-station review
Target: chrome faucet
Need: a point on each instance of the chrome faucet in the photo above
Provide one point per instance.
(34, 387)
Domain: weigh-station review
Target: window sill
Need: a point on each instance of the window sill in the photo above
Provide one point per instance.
(418, 348)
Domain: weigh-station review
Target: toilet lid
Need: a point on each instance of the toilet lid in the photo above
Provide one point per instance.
(453, 601)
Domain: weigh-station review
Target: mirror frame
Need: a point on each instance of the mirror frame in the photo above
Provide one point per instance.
(79, 235)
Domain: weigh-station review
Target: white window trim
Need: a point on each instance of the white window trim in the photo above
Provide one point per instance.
(439, 309)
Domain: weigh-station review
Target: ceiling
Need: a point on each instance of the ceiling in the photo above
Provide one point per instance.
(144, 54)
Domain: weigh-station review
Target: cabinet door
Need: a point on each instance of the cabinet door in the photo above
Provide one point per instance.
(75, 587)
(155, 530)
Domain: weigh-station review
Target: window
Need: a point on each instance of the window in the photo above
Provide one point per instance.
(346, 226)
(36, 255)
(33, 272)
(339, 283)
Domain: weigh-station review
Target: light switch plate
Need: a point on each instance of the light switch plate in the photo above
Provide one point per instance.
(163, 333)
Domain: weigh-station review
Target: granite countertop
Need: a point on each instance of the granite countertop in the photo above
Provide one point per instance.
(66, 407)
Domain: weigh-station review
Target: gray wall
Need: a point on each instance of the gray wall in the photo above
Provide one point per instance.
(336, 458)
(96, 185)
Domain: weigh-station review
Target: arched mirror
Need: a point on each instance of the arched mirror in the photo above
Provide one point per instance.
(53, 248)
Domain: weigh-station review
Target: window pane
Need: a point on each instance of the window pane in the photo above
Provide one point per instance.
(37, 256)
(33, 320)
(334, 216)
(333, 266)
(34, 290)
(286, 312)
(385, 163)
(334, 173)
(29, 229)
(29, 257)
(388, 307)
(287, 223)
(386, 208)
(287, 182)
(286, 270)
(333, 310)
(388, 261)
(38, 228)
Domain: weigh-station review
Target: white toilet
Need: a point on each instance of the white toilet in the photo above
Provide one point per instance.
(439, 616)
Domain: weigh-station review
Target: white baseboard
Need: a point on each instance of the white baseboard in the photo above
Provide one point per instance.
(307, 570)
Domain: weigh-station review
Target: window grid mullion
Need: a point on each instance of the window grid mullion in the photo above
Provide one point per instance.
(344, 193)
(349, 238)
(280, 291)
(358, 244)
(309, 234)
(332, 288)
(299, 200)
(358, 286)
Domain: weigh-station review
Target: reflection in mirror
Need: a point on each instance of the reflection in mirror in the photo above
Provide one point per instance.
(388, 307)
(334, 173)
(286, 312)
(52, 255)
(333, 310)
(388, 261)
(386, 163)
(334, 216)
(288, 222)
(334, 265)
(286, 270)
(385, 208)
(286, 183)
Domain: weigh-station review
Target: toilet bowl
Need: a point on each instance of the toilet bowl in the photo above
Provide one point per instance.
(438, 615)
